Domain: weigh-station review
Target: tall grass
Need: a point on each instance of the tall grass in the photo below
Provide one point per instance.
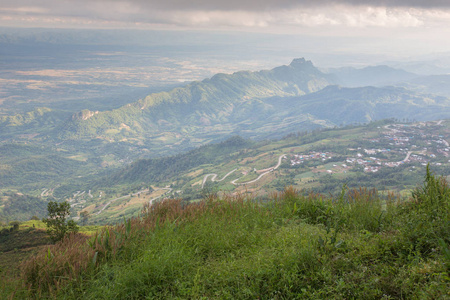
(65, 262)
(355, 209)
(426, 218)
(357, 244)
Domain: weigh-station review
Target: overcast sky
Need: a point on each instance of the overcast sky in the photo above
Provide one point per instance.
(420, 24)
(267, 15)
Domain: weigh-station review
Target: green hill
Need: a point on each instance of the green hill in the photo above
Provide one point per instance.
(170, 168)
(355, 245)
(26, 167)
(35, 122)
(201, 110)
(260, 104)
(342, 106)
(371, 76)
(19, 207)
(387, 155)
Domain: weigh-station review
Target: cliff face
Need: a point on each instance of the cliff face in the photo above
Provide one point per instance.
(84, 115)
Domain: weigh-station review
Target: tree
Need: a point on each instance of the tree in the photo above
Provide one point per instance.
(84, 217)
(15, 225)
(57, 227)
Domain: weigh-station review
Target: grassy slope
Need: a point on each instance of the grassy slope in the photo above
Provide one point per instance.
(23, 243)
(295, 246)
(20, 244)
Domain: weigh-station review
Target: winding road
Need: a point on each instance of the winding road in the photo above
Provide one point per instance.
(109, 202)
(263, 174)
(214, 176)
(135, 194)
(150, 202)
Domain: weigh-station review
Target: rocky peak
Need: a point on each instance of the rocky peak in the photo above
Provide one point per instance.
(84, 115)
(300, 62)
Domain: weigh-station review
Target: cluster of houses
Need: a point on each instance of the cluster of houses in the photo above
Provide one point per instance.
(398, 140)
(300, 158)
(398, 137)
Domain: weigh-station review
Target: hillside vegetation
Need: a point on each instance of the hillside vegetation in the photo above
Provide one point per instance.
(354, 245)
(54, 149)
(19, 207)
(224, 100)
(21, 240)
(388, 155)
(260, 104)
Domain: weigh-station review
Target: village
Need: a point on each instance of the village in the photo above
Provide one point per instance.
(397, 145)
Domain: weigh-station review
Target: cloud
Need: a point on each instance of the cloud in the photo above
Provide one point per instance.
(273, 15)
(259, 5)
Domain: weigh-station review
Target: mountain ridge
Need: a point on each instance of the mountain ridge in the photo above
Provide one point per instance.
(212, 101)
(380, 75)
(258, 104)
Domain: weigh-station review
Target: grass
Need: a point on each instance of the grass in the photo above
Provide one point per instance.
(22, 244)
(354, 245)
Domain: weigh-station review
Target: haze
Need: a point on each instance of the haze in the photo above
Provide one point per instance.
(381, 30)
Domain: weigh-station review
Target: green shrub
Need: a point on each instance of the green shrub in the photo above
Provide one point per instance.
(426, 218)
(57, 226)
(15, 225)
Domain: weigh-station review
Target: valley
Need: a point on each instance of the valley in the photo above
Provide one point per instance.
(245, 132)
(224, 149)
(386, 155)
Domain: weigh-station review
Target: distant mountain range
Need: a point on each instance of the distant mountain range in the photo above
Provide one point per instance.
(381, 76)
(206, 110)
(45, 148)
(371, 76)
(262, 104)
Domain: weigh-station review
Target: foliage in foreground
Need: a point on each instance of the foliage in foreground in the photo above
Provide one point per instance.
(356, 245)
(57, 226)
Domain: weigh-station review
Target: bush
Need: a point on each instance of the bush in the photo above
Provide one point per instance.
(426, 218)
(15, 225)
(57, 227)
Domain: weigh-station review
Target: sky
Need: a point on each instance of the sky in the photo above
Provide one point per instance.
(259, 15)
(396, 26)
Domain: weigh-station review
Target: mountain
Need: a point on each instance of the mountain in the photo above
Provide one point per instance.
(434, 84)
(262, 104)
(39, 120)
(385, 76)
(202, 110)
(437, 64)
(341, 106)
(168, 168)
(371, 76)
(50, 147)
